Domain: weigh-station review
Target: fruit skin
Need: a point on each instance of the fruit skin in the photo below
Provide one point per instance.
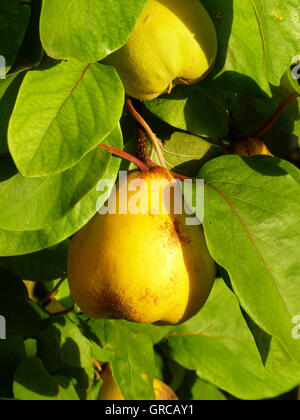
(110, 390)
(172, 40)
(250, 147)
(147, 268)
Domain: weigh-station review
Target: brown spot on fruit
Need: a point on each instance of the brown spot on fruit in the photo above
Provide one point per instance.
(181, 232)
(114, 306)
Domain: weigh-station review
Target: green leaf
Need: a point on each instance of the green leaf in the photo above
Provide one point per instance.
(240, 61)
(14, 18)
(79, 107)
(289, 119)
(280, 30)
(197, 109)
(8, 94)
(252, 225)
(131, 355)
(218, 345)
(46, 265)
(32, 382)
(62, 345)
(196, 389)
(23, 317)
(34, 211)
(63, 348)
(31, 51)
(87, 31)
(186, 154)
(273, 355)
(63, 296)
(93, 394)
(18, 243)
(30, 347)
(67, 391)
(12, 353)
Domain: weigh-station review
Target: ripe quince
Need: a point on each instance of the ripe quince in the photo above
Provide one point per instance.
(148, 266)
(173, 42)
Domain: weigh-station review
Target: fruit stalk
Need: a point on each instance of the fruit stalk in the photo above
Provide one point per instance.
(125, 155)
(266, 127)
(154, 139)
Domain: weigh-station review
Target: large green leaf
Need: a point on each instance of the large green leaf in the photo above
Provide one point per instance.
(32, 382)
(62, 345)
(289, 119)
(87, 30)
(12, 353)
(130, 350)
(218, 345)
(23, 317)
(252, 225)
(240, 61)
(31, 51)
(194, 388)
(8, 94)
(197, 109)
(14, 18)
(279, 23)
(63, 348)
(79, 106)
(185, 154)
(25, 201)
(18, 243)
(46, 265)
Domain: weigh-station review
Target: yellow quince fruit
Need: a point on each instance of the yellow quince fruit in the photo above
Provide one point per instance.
(174, 41)
(147, 266)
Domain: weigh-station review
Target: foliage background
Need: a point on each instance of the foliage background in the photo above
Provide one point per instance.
(58, 102)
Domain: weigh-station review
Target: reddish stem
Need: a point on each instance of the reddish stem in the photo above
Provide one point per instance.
(52, 295)
(259, 133)
(181, 177)
(127, 156)
(142, 145)
(63, 313)
(147, 128)
(142, 148)
(140, 164)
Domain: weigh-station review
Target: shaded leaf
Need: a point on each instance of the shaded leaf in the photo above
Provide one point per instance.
(194, 388)
(14, 18)
(130, 349)
(197, 109)
(8, 94)
(186, 154)
(49, 264)
(23, 317)
(240, 62)
(12, 353)
(31, 52)
(32, 382)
